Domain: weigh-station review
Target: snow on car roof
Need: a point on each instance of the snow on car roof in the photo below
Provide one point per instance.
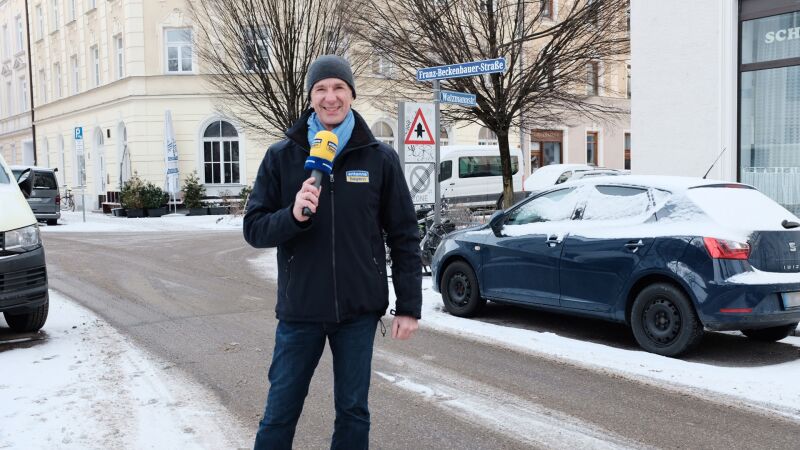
(670, 183)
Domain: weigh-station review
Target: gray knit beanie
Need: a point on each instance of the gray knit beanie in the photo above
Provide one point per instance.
(330, 66)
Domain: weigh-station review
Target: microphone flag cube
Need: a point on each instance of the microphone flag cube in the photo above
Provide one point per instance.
(323, 149)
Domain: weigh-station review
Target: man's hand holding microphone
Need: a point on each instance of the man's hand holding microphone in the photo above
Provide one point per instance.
(320, 163)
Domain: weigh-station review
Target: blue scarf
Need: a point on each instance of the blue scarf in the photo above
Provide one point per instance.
(343, 131)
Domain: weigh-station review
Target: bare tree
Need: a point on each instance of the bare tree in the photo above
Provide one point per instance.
(257, 54)
(547, 60)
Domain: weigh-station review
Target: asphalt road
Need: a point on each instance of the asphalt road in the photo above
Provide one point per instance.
(196, 301)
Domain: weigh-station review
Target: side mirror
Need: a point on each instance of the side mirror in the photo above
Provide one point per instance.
(496, 222)
(25, 182)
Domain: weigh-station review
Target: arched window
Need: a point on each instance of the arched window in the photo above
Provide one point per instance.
(487, 137)
(444, 138)
(221, 153)
(383, 133)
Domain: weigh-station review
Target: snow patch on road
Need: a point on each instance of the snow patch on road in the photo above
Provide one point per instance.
(84, 386)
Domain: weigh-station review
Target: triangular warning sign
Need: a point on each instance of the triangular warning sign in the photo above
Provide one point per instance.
(420, 131)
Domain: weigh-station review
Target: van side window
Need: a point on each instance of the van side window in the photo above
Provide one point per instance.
(483, 166)
(445, 170)
(44, 180)
(3, 176)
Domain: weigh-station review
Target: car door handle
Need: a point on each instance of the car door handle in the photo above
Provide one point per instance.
(553, 240)
(634, 245)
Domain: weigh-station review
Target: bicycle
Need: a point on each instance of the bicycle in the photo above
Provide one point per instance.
(68, 201)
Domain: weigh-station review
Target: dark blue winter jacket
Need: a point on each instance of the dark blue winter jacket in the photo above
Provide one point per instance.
(333, 267)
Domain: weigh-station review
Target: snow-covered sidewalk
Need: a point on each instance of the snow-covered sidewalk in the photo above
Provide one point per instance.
(84, 386)
(97, 222)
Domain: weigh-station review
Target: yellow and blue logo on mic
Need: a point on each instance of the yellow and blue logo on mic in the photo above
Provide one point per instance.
(323, 150)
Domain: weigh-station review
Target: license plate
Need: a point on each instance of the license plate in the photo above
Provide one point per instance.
(791, 299)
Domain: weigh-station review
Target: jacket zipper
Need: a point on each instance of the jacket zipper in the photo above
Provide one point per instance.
(333, 252)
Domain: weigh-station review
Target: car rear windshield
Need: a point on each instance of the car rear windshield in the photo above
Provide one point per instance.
(44, 180)
(740, 208)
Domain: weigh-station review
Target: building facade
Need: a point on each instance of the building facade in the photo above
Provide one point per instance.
(16, 139)
(720, 84)
(113, 68)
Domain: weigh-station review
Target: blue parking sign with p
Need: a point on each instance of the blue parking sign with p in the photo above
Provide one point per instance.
(78, 132)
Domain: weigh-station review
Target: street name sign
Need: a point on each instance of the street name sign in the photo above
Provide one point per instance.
(468, 69)
(458, 98)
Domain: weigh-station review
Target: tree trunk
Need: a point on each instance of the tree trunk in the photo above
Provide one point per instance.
(505, 164)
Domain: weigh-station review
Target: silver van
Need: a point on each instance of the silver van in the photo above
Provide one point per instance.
(45, 199)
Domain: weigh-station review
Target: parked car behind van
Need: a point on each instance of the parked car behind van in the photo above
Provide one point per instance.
(471, 175)
(45, 199)
(23, 275)
(550, 175)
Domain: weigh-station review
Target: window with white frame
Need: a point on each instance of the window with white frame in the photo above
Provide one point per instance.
(76, 80)
(54, 14)
(591, 147)
(42, 87)
(547, 9)
(94, 52)
(381, 65)
(628, 84)
(179, 50)
(91, 4)
(221, 153)
(39, 22)
(10, 97)
(20, 36)
(383, 133)
(487, 137)
(592, 79)
(337, 42)
(6, 42)
(72, 9)
(23, 94)
(256, 50)
(119, 53)
(57, 80)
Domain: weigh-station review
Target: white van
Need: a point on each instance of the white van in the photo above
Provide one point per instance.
(23, 274)
(470, 175)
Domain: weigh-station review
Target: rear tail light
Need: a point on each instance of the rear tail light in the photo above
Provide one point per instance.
(58, 199)
(724, 249)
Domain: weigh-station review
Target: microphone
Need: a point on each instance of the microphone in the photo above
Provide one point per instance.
(320, 161)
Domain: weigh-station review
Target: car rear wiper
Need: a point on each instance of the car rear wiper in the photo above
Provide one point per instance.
(789, 225)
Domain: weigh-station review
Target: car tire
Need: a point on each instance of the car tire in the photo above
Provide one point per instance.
(30, 321)
(52, 222)
(664, 321)
(771, 334)
(460, 291)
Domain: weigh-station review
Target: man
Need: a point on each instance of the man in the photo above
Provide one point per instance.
(332, 276)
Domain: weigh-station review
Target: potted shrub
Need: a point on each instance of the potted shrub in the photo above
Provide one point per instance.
(155, 200)
(193, 193)
(131, 197)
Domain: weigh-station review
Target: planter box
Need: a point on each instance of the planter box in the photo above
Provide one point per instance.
(217, 210)
(198, 211)
(156, 212)
(118, 212)
(135, 213)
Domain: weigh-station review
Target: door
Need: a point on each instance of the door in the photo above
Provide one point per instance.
(521, 263)
(604, 248)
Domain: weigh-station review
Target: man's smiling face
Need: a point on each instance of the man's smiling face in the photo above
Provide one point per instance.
(331, 99)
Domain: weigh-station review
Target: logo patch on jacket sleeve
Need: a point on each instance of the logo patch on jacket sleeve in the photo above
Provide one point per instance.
(357, 176)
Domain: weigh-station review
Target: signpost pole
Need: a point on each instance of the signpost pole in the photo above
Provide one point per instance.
(437, 194)
(79, 147)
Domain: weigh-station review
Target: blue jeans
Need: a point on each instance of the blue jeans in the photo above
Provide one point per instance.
(298, 347)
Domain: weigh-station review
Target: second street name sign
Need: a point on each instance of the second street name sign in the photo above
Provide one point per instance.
(459, 98)
(462, 70)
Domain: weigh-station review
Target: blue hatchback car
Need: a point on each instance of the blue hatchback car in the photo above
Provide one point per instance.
(669, 256)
